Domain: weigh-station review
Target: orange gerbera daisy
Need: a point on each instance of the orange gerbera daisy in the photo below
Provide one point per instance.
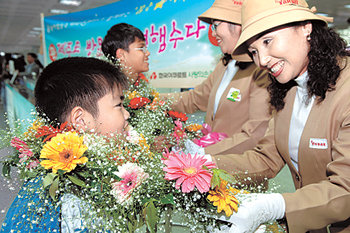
(224, 198)
(193, 127)
(63, 152)
(33, 129)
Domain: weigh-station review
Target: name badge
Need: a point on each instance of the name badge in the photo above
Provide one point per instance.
(234, 95)
(318, 143)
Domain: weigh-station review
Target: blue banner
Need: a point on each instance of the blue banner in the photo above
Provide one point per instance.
(181, 54)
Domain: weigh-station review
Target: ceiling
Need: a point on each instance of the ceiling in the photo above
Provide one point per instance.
(19, 17)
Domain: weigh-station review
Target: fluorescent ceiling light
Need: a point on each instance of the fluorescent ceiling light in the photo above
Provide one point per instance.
(34, 32)
(70, 2)
(347, 6)
(323, 14)
(58, 11)
(36, 28)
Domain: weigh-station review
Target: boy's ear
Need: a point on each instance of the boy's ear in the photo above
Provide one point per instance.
(120, 53)
(80, 118)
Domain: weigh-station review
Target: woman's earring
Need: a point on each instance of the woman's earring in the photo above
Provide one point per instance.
(308, 37)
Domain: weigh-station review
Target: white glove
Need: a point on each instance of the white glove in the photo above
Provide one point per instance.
(254, 210)
(193, 148)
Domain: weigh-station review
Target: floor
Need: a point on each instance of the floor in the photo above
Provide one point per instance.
(8, 187)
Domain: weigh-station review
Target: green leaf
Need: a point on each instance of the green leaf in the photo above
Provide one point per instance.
(31, 174)
(49, 179)
(225, 176)
(61, 172)
(151, 217)
(215, 180)
(6, 169)
(168, 199)
(115, 177)
(130, 227)
(77, 181)
(146, 200)
(53, 189)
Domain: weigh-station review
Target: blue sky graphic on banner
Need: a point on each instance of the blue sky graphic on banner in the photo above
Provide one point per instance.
(181, 54)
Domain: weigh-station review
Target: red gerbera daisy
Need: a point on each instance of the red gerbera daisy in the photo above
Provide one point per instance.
(138, 102)
(51, 132)
(140, 77)
(178, 115)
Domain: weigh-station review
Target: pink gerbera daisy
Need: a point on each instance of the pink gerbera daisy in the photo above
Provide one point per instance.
(189, 171)
(179, 132)
(131, 177)
(22, 147)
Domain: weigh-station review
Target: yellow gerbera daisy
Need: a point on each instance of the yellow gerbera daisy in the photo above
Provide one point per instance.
(155, 94)
(144, 145)
(63, 152)
(132, 95)
(224, 198)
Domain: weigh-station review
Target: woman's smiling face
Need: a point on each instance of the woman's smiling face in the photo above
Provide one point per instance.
(227, 35)
(283, 52)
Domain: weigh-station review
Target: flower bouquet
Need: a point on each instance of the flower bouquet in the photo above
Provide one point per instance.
(124, 186)
(153, 118)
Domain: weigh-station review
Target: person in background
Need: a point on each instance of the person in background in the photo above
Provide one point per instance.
(33, 67)
(234, 96)
(125, 46)
(310, 71)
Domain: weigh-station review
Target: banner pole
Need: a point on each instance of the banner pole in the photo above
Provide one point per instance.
(43, 38)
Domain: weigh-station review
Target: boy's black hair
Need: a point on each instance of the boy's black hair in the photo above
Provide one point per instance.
(76, 81)
(120, 36)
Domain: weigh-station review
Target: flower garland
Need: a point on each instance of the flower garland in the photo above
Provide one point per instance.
(153, 117)
(119, 178)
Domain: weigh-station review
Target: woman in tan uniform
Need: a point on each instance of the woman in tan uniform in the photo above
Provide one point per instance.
(243, 118)
(310, 132)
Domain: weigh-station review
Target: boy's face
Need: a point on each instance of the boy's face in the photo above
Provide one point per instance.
(136, 58)
(112, 116)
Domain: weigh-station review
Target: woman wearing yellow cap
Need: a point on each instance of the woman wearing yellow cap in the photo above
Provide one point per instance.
(310, 132)
(244, 116)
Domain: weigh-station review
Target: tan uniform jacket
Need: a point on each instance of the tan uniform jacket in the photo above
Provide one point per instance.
(323, 181)
(245, 121)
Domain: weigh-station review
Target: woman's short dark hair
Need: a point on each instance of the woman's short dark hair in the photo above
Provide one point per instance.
(120, 36)
(241, 64)
(76, 81)
(326, 47)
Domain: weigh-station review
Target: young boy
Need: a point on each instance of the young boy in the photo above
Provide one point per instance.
(86, 93)
(125, 45)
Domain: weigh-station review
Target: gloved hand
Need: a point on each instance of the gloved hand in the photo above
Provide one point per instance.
(192, 148)
(254, 210)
